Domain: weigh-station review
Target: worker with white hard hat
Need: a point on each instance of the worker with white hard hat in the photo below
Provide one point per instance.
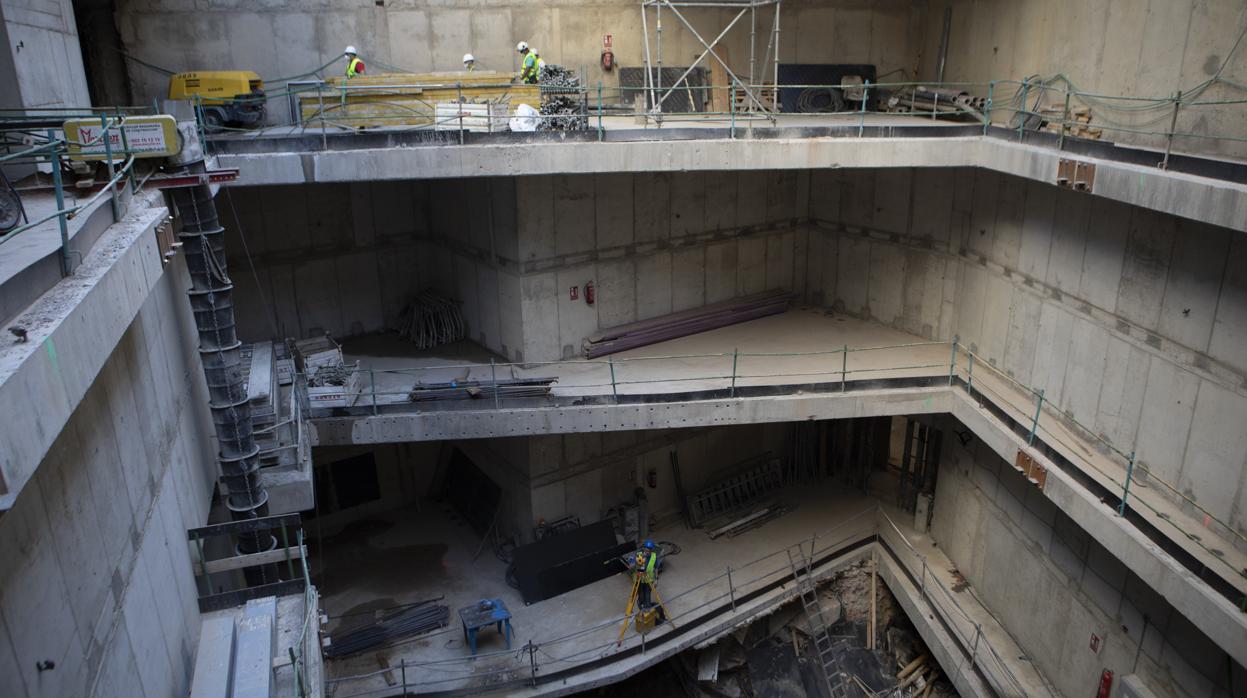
(530, 71)
(354, 66)
(469, 62)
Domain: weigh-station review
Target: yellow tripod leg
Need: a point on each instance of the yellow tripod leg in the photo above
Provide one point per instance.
(628, 611)
(663, 606)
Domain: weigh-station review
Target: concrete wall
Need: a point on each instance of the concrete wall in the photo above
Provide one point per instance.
(586, 474)
(1119, 47)
(652, 244)
(1130, 320)
(46, 60)
(1053, 586)
(287, 37)
(96, 575)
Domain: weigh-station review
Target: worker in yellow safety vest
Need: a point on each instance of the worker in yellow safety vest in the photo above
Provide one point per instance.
(645, 568)
(354, 66)
(531, 63)
(469, 62)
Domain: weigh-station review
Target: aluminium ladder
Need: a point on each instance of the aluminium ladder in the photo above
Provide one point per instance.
(803, 574)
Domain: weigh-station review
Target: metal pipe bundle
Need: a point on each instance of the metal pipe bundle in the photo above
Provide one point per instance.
(389, 628)
(561, 105)
(504, 388)
(925, 100)
(430, 320)
(686, 322)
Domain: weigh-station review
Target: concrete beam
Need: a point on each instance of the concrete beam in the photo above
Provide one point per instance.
(71, 332)
(1219, 202)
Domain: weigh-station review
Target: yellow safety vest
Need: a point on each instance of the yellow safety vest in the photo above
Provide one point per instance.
(532, 67)
(350, 67)
(647, 574)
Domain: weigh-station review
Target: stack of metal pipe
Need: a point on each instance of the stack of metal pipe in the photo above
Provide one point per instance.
(504, 388)
(430, 320)
(562, 108)
(940, 100)
(686, 322)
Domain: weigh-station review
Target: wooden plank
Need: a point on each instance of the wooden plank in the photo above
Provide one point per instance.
(260, 377)
(238, 562)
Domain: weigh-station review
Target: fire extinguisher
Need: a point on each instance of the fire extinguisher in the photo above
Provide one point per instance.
(1106, 684)
(589, 295)
(608, 59)
(651, 478)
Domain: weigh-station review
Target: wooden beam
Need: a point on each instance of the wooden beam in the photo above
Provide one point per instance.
(241, 561)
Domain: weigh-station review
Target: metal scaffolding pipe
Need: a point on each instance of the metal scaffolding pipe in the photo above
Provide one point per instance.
(211, 299)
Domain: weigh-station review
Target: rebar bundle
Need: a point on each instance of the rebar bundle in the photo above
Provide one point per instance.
(389, 628)
(561, 105)
(686, 322)
(430, 320)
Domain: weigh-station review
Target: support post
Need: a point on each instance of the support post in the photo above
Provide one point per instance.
(125, 148)
(402, 669)
(532, 662)
(987, 110)
(873, 635)
(658, 75)
(1121, 510)
(1173, 125)
(735, 358)
(844, 368)
(952, 364)
(614, 386)
(599, 110)
(1024, 114)
(324, 134)
(60, 202)
(459, 108)
(861, 121)
(923, 587)
(1060, 144)
(493, 374)
(970, 375)
(108, 160)
(285, 541)
(731, 106)
(372, 380)
(1035, 422)
(731, 591)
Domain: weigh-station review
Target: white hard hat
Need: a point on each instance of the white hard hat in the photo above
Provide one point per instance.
(468, 57)
(350, 50)
(522, 46)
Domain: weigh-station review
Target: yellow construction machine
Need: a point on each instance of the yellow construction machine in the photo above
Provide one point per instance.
(227, 98)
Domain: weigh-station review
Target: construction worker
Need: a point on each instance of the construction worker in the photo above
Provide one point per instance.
(354, 66)
(469, 62)
(531, 63)
(645, 569)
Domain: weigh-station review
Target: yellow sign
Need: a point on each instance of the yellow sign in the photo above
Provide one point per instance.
(145, 137)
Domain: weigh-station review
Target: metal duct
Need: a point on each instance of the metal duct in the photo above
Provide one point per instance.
(211, 298)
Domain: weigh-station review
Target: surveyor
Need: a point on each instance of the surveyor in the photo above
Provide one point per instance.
(469, 62)
(531, 63)
(354, 66)
(645, 568)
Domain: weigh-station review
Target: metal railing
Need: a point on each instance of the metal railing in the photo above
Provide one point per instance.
(308, 644)
(742, 589)
(729, 374)
(52, 147)
(1022, 105)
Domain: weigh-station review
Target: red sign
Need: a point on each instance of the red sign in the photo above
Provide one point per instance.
(574, 292)
(607, 41)
(1095, 643)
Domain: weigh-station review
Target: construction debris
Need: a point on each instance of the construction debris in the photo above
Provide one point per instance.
(389, 628)
(1077, 125)
(331, 383)
(686, 322)
(562, 101)
(430, 320)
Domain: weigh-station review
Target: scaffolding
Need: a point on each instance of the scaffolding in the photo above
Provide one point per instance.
(750, 90)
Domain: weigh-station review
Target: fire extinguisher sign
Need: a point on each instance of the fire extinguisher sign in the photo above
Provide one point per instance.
(608, 41)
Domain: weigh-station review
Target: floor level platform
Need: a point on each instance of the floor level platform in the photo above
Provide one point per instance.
(569, 643)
